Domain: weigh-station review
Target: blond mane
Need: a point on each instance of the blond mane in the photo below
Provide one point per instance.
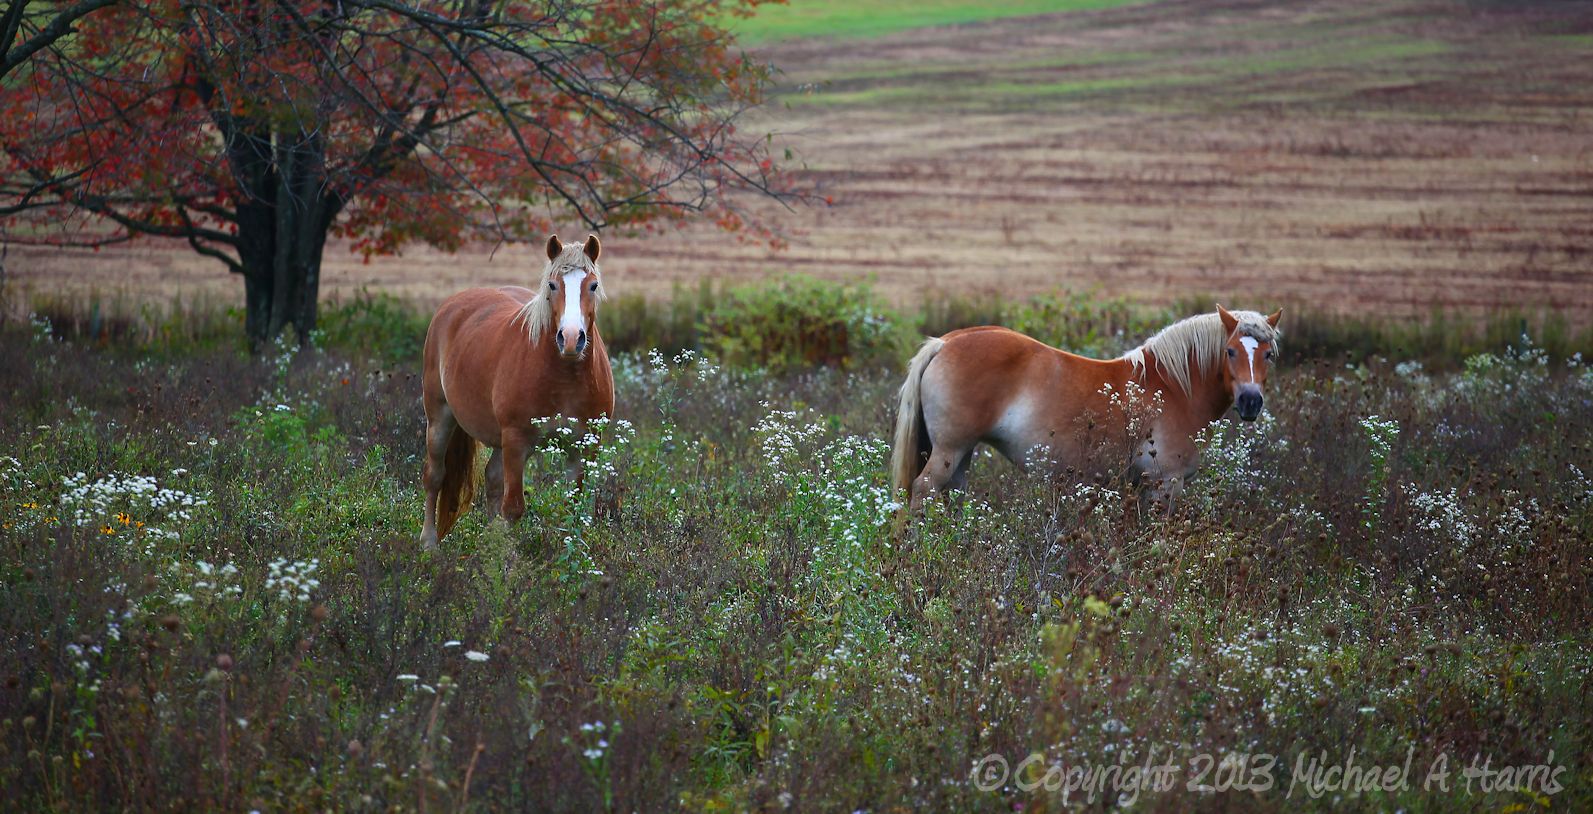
(537, 315)
(1200, 336)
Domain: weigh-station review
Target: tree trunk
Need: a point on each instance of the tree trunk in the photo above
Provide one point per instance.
(282, 232)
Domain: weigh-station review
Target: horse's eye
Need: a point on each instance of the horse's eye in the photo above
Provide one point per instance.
(1232, 353)
(594, 286)
(553, 286)
(1271, 353)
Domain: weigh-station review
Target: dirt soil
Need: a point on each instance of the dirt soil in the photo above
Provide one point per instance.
(1389, 156)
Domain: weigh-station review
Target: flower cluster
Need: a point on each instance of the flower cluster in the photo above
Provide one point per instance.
(89, 502)
(1380, 435)
(595, 736)
(1228, 452)
(787, 443)
(292, 579)
(1441, 513)
(210, 582)
(1381, 432)
(1140, 410)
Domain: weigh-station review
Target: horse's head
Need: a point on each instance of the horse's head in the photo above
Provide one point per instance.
(572, 286)
(1248, 352)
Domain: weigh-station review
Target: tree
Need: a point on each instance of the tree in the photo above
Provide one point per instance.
(38, 25)
(256, 129)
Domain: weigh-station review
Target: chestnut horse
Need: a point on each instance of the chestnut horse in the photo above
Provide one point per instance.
(1048, 409)
(498, 359)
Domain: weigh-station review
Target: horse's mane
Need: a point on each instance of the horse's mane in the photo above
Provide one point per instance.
(538, 313)
(1200, 336)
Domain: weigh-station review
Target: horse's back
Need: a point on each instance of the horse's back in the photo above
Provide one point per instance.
(482, 302)
(474, 315)
(1009, 389)
(993, 353)
(466, 339)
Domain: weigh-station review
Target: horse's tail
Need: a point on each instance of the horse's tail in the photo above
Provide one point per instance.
(459, 479)
(912, 436)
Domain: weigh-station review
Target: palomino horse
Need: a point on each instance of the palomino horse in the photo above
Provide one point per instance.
(499, 359)
(1045, 408)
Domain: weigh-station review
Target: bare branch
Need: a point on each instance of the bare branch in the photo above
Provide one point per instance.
(55, 29)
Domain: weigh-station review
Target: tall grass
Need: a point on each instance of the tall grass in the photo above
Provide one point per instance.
(213, 597)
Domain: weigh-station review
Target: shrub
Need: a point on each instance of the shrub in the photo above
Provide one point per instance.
(794, 322)
(380, 325)
(635, 322)
(1086, 322)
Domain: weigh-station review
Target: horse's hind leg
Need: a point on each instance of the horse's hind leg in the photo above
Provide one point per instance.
(439, 428)
(495, 481)
(959, 473)
(948, 465)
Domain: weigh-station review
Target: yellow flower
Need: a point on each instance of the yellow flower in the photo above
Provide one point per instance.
(107, 530)
(125, 518)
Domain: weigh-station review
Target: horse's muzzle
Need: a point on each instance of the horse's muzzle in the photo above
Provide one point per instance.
(1248, 403)
(565, 347)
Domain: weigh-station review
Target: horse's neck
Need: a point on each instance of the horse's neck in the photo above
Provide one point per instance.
(1206, 401)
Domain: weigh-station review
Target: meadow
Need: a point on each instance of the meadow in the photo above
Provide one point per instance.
(214, 598)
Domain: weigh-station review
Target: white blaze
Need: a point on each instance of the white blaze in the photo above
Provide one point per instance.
(1250, 344)
(572, 302)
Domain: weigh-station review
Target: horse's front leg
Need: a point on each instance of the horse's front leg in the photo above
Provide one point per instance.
(495, 481)
(575, 470)
(1164, 493)
(511, 464)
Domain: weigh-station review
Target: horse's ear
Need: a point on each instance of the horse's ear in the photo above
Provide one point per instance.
(1229, 321)
(593, 248)
(555, 248)
(1272, 318)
